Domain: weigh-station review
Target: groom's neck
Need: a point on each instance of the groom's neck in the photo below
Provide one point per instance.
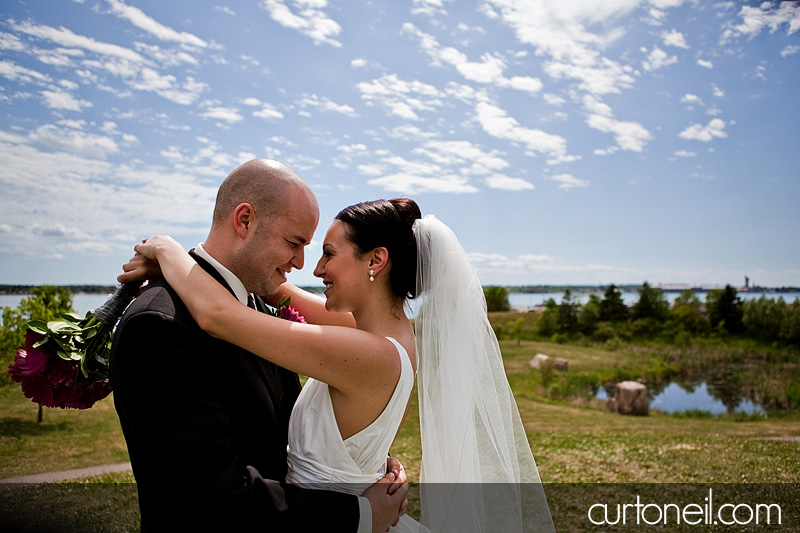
(220, 252)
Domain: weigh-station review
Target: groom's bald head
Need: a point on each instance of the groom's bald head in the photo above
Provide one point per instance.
(266, 184)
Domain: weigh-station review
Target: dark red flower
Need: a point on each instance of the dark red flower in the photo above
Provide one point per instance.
(51, 381)
(290, 313)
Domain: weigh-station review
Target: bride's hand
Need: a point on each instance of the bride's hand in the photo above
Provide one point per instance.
(140, 268)
(159, 244)
(144, 264)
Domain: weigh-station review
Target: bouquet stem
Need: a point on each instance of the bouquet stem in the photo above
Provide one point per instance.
(112, 309)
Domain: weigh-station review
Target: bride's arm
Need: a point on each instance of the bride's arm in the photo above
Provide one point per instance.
(347, 359)
(311, 306)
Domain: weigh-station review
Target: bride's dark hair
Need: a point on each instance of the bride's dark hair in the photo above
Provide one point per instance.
(388, 224)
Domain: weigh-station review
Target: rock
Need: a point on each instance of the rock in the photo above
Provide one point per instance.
(538, 359)
(631, 398)
(612, 405)
(561, 364)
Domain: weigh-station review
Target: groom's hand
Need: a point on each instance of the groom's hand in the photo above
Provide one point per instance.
(388, 502)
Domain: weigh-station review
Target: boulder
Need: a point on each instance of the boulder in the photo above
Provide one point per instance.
(630, 398)
(538, 359)
(561, 364)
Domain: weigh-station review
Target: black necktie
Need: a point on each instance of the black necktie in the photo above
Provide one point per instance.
(251, 301)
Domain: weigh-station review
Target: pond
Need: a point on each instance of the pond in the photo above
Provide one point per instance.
(715, 396)
(676, 399)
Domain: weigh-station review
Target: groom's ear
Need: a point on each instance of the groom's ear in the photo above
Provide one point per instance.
(378, 259)
(244, 220)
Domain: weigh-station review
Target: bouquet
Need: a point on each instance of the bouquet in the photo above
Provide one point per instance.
(65, 361)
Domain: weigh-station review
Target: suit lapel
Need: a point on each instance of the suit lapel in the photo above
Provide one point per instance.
(270, 373)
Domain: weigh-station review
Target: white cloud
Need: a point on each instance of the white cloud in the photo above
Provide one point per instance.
(60, 99)
(225, 9)
(674, 38)
(497, 123)
(409, 132)
(309, 19)
(489, 70)
(447, 173)
(428, 7)
(689, 98)
(697, 132)
(358, 63)
(352, 148)
(227, 114)
(138, 18)
(554, 99)
(325, 104)
(65, 37)
(9, 41)
(505, 183)
(719, 93)
(629, 135)
(451, 153)
(131, 201)
(767, 15)
(705, 63)
(14, 72)
(559, 32)
(120, 62)
(167, 86)
(420, 183)
(252, 101)
(74, 141)
(403, 98)
(568, 181)
(685, 153)
(790, 50)
(657, 59)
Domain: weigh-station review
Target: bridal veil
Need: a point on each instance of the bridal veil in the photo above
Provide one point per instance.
(478, 472)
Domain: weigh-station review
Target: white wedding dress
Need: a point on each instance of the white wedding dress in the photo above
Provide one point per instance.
(318, 456)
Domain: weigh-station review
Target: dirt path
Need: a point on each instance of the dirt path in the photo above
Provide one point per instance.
(49, 477)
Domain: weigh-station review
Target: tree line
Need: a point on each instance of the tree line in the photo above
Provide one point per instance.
(610, 319)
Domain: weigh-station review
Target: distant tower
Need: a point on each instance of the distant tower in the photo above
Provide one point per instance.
(746, 283)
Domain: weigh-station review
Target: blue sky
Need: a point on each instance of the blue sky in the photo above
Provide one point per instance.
(564, 141)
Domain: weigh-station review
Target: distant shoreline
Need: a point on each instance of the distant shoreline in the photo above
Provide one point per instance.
(524, 289)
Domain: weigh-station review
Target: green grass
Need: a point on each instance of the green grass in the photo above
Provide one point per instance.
(575, 440)
(66, 439)
(106, 503)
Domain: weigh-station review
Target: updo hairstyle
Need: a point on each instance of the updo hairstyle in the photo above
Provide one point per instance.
(388, 224)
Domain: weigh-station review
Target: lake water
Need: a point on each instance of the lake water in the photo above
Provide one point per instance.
(84, 302)
(81, 303)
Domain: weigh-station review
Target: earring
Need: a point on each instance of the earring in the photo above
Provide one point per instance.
(372, 274)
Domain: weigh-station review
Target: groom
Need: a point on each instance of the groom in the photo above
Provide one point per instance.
(206, 422)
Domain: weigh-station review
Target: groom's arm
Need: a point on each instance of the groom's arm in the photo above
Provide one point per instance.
(189, 472)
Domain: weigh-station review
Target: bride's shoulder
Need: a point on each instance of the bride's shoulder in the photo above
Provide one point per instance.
(408, 345)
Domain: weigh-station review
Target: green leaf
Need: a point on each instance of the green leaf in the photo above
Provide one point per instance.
(41, 341)
(71, 317)
(60, 326)
(37, 326)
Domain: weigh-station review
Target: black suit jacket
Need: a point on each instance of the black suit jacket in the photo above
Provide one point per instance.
(206, 424)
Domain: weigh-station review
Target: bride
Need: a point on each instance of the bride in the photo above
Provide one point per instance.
(477, 473)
